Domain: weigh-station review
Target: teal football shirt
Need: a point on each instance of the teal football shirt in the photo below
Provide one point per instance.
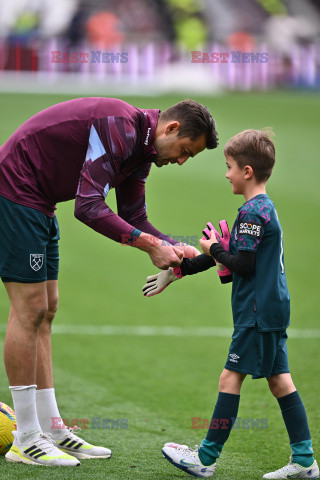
(263, 297)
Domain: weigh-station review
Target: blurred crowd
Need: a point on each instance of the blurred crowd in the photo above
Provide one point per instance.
(189, 23)
(186, 25)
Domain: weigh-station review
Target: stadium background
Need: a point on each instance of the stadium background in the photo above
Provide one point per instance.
(155, 363)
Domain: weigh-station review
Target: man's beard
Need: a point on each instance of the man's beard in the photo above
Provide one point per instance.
(163, 149)
(158, 162)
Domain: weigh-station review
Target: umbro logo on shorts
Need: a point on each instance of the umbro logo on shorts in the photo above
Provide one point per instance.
(36, 261)
(234, 357)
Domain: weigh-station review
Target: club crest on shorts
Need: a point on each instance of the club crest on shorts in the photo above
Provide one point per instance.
(36, 261)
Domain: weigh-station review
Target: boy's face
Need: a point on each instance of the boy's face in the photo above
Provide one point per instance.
(235, 175)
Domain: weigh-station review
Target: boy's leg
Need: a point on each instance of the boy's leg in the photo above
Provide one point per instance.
(295, 418)
(224, 416)
(242, 360)
(202, 462)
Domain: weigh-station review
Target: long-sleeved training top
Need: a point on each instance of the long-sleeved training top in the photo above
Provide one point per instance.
(81, 149)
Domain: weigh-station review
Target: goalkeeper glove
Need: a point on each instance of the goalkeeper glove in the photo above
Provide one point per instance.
(224, 241)
(157, 283)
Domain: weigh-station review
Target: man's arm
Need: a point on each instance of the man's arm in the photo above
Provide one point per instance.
(131, 204)
(97, 177)
(132, 208)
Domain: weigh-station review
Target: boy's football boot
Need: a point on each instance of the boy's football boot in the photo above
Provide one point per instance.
(187, 459)
(294, 470)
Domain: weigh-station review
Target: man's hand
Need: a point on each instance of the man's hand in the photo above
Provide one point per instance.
(162, 256)
(157, 283)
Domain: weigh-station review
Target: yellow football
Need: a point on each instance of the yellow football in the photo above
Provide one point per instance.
(7, 425)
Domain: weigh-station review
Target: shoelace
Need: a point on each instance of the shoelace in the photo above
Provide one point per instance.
(71, 429)
(44, 441)
(189, 449)
(70, 433)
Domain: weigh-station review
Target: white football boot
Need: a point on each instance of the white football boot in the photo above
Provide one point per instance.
(70, 443)
(187, 459)
(294, 470)
(38, 449)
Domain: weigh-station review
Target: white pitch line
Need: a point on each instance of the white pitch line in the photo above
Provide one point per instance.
(154, 331)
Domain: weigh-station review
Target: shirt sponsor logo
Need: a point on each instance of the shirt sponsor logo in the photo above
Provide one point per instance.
(147, 137)
(250, 229)
(36, 261)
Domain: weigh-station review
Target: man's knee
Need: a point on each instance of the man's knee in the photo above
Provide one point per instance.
(29, 303)
(53, 303)
(34, 313)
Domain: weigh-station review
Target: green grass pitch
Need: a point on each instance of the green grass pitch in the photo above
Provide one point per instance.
(159, 382)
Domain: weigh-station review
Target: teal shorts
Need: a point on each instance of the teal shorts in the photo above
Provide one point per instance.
(29, 251)
(260, 354)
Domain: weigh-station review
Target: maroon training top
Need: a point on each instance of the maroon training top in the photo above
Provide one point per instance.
(81, 149)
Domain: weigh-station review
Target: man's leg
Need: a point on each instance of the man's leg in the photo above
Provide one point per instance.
(29, 307)
(47, 408)
(27, 310)
(44, 374)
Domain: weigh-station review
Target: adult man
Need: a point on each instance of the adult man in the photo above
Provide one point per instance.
(78, 149)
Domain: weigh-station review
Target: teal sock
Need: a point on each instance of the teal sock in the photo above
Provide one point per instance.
(209, 452)
(302, 453)
(224, 414)
(295, 419)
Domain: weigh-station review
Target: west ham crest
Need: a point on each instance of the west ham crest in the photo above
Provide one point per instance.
(36, 261)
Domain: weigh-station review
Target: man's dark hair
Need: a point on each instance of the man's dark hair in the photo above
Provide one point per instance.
(195, 120)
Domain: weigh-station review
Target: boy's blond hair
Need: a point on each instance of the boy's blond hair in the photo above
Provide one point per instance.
(254, 148)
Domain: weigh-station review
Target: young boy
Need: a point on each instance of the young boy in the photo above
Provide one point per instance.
(261, 311)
